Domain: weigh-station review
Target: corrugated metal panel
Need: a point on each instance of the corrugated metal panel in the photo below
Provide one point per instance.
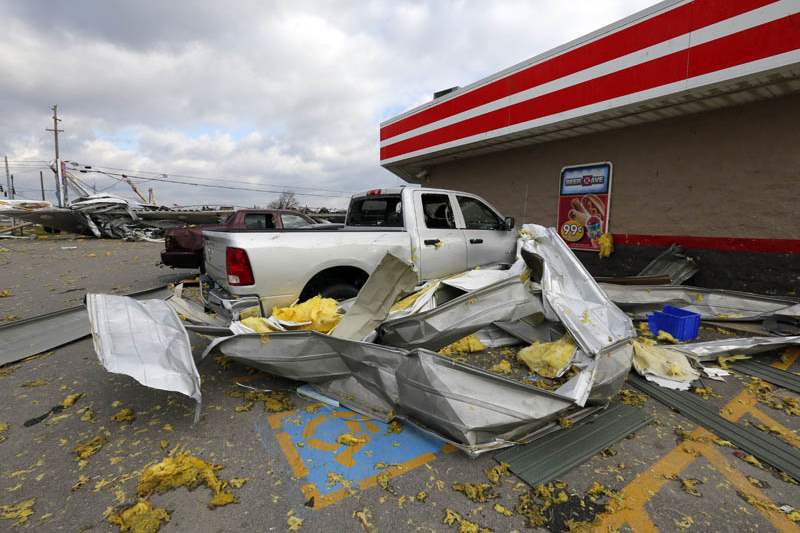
(42, 333)
(766, 448)
(556, 454)
(776, 376)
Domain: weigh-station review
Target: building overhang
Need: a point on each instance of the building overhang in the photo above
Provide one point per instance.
(676, 58)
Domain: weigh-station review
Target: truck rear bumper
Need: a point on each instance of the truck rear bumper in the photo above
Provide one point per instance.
(222, 302)
(181, 259)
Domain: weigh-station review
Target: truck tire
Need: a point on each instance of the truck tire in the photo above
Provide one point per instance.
(339, 291)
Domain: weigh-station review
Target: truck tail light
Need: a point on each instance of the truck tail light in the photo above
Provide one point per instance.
(373, 192)
(237, 265)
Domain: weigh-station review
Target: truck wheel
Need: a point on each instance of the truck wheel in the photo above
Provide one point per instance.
(339, 291)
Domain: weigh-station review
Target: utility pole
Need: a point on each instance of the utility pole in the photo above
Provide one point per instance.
(41, 182)
(13, 192)
(63, 196)
(8, 179)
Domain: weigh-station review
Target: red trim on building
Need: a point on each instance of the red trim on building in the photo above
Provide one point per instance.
(724, 244)
(773, 38)
(659, 28)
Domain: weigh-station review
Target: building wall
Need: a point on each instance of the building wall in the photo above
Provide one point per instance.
(733, 172)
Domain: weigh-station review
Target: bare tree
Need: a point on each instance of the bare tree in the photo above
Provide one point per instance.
(286, 200)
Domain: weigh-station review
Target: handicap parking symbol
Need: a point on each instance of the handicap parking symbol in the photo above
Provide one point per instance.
(329, 470)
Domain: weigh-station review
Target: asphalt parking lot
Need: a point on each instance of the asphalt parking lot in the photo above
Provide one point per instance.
(294, 468)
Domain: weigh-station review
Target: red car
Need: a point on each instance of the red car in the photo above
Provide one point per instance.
(183, 247)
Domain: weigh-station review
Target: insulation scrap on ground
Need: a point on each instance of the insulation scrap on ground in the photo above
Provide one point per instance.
(3, 429)
(86, 449)
(70, 400)
(395, 426)
(322, 313)
(18, 511)
(182, 469)
(294, 522)
(364, 517)
(124, 415)
(496, 473)
(688, 485)
(477, 492)
(548, 359)
(348, 439)
(469, 344)
(274, 401)
(140, 517)
(464, 526)
(666, 367)
(763, 391)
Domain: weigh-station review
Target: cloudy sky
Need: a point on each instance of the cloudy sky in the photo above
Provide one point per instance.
(252, 94)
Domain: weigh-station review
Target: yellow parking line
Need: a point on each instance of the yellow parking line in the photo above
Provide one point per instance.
(647, 484)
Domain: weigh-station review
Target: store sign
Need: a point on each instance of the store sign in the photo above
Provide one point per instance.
(583, 204)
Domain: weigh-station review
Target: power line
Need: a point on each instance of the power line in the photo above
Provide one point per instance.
(228, 179)
(208, 185)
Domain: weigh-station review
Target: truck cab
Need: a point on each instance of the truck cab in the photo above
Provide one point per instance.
(440, 232)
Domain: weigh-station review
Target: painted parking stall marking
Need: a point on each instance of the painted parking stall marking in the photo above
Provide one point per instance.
(331, 471)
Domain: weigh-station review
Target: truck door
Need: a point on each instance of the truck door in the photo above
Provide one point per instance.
(487, 239)
(442, 248)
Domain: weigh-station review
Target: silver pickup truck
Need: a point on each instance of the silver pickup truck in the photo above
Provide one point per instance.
(441, 232)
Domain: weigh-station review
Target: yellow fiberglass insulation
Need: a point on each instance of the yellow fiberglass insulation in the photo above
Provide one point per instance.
(606, 243)
(662, 362)
(468, 344)
(323, 313)
(184, 470)
(411, 299)
(547, 359)
(141, 517)
(257, 324)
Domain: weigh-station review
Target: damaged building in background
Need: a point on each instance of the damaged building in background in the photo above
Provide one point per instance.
(84, 212)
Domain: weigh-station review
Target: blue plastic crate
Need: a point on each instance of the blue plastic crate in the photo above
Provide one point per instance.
(680, 323)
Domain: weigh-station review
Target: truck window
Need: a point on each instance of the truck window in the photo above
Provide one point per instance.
(438, 213)
(478, 215)
(258, 221)
(293, 221)
(383, 211)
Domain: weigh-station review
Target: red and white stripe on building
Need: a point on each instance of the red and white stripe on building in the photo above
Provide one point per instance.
(675, 58)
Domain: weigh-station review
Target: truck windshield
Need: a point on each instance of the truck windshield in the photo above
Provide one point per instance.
(383, 211)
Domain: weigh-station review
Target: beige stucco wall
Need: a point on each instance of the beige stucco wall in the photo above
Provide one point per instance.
(733, 172)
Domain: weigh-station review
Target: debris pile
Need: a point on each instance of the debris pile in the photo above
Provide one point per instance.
(416, 353)
(396, 350)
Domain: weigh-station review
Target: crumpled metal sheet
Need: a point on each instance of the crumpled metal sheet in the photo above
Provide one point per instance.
(39, 334)
(146, 340)
(400, 375)
(672, 262)
(505, 300)
(710, 350)
(475, 410)
(299, 355)
(571, 295)
(192, 311)
(713, 304)
(391, 277)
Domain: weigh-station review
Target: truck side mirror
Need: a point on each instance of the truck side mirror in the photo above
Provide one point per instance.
(509, 223)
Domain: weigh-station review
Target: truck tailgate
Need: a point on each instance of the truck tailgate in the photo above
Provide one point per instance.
(214, 252)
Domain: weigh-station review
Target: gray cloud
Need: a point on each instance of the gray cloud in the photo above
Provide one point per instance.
(278, 93)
